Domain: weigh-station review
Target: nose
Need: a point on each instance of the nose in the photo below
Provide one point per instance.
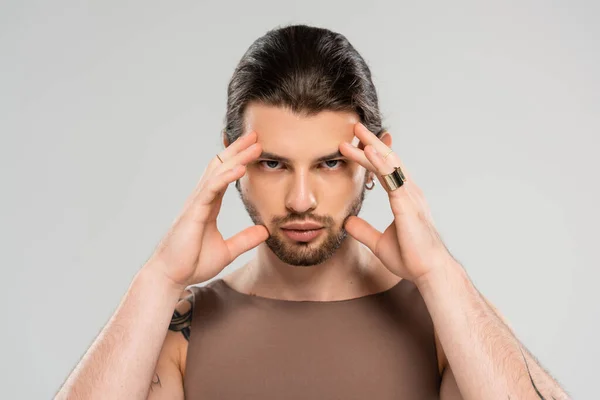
(300, 197)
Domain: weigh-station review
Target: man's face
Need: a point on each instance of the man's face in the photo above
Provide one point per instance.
(291, 182)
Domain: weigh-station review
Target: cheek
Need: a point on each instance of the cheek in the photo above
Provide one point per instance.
(345, 192)
(346, 179)
(356, 177)
(251, 181)
(260, 190)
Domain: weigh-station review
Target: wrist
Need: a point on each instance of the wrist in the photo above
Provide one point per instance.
(443, 275)
(153, 273)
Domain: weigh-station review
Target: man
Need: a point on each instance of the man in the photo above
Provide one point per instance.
(329, 307)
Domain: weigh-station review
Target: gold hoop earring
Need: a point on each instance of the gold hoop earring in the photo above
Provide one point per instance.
(372, 186)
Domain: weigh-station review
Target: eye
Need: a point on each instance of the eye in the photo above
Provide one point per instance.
(339, 163)
(329, 164)
(269, 163)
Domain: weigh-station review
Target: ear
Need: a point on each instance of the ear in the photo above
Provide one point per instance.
(386, 138)
(225, 140)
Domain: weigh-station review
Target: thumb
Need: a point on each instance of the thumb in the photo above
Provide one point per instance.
(245, 240)
(362, 231)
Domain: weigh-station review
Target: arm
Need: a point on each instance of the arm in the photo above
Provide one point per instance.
(167, 379)
(120, 363)
(167, 382)
(486, 359)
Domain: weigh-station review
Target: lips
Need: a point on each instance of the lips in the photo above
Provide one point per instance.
(302, 226)
(302, 235)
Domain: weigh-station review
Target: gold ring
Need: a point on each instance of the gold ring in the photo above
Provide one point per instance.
(219, 159)
(387, 154)
(394, 180)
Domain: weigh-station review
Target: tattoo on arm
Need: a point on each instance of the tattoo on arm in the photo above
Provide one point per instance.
(182, 317)
(531, 378)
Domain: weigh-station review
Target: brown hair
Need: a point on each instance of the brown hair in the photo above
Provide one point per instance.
(305, 69)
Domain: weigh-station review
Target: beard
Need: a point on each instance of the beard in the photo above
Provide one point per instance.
(304, 254)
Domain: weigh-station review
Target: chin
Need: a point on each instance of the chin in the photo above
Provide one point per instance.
(306, 254)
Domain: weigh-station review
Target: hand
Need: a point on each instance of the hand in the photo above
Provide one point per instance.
(410, 247)
(193, 250)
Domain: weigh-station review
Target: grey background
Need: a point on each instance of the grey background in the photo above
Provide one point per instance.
(109, 112)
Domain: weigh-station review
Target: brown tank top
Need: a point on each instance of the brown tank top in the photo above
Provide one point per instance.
(380, 346)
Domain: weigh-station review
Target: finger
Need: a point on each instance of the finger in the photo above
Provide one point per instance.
(356, 155)
(238, 145)
(242, 158)
(376, 159)
(214, 182)
(246, 240)
(369, 138)
(364, 232)
(384, 168)
(218, 183)
(390, 157)
(234, 148)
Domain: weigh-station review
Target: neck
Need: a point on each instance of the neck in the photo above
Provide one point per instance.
(342, 276)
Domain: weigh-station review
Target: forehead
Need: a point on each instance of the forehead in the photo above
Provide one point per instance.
(291, 135)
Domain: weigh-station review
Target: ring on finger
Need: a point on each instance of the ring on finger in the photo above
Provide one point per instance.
(394, 180)
(387, 154)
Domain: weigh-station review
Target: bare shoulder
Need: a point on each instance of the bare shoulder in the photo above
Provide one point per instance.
(167, 381)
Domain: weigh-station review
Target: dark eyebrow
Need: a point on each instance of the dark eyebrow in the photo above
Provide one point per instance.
(275, 157)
